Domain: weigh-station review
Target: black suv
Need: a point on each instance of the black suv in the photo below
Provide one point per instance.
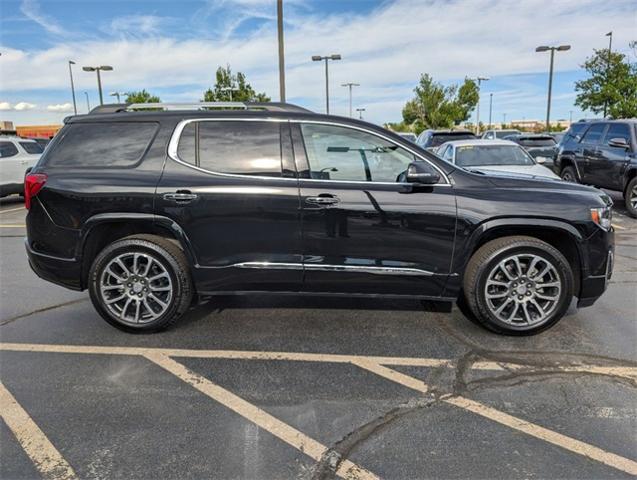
(150, 210)
(603, 154)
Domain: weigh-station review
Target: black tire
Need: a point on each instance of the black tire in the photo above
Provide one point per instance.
(569, 174)
(630, 196)
(169, 257)
(485, 261)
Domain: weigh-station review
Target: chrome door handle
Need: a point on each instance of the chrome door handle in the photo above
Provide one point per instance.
(180, 197)
(322, 200)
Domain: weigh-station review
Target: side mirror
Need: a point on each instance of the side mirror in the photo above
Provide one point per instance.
(618, 143)
(540, 160)
(421, 173)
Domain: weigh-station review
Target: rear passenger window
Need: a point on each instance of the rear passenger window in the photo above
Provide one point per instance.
(8, 149)
(235, 147)
(594, 134)
(119, 144)
(617, 130)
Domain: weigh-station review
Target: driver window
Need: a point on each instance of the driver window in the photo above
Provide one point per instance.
(340, 153)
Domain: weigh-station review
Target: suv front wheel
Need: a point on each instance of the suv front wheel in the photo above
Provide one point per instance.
(518, 285)
(140, 283)
(630, 197)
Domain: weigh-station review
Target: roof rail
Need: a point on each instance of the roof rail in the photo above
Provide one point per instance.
(267, 106)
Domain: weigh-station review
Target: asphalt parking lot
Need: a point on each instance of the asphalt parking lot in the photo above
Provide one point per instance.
(270, 388)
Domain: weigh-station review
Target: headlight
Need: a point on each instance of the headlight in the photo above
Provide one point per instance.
(602, 216)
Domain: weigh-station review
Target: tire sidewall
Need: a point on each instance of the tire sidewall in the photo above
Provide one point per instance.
(134, 246)
(563, 270)
(632, 211)
(570, 171)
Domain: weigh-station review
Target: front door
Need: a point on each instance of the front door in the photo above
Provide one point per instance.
(610, 162)
(232, 188)
(364, 231)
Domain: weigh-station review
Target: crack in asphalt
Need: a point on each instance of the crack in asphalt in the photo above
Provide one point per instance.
(40, 310)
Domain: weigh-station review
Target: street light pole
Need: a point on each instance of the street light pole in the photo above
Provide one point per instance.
(71, 62)
(279, 17)
(318, 58)
(88, 105)
(610, 47)
(543, 48)
(106, 68)
(480, 80)
(350, 85)
(490, 108)
(360, 113)
(504, 118)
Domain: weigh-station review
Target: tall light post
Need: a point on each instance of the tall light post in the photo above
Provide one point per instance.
(105, 68)
(504, 119)
(544, 48)
(350, 85)
(360, 113)
(610, 49)
(118, 94)
(318, 58)
(71, 62)
(479, 80)
(88, 105)
(490, 108)
(279, 18)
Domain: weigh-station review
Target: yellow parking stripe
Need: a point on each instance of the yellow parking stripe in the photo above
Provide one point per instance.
(36, 445)
(254, 414)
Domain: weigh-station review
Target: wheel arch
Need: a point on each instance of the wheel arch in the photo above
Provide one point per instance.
(568, 161)
(103, 229)
(631, 173)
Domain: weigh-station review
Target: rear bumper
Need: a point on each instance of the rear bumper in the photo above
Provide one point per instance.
(61, 271)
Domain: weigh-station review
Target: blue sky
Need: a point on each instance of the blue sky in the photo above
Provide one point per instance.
(172, 49)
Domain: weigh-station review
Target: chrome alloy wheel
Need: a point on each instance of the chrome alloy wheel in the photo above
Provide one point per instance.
(523, 290)
(136, 288)
(633, 197)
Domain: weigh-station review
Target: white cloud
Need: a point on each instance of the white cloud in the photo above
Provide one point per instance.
(385, 50)
(24, 106)
(31, 9)
(136, 25)
(5, 106)
(60, 107)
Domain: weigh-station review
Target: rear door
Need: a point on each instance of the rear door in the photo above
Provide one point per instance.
(610, 162)
(589, 151)
(365, 232)
(231, 186)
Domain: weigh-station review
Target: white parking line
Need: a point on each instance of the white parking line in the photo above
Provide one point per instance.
(254, 414)
(36, 445)
(13, 210)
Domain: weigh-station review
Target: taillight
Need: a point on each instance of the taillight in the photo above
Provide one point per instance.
(33, 183)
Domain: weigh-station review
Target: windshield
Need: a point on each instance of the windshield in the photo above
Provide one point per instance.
(439, 139)
(483, 155)
(505, 133)
(32, 147)
(537, 142)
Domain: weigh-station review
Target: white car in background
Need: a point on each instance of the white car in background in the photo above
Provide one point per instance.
(493, 156)
(16, 156)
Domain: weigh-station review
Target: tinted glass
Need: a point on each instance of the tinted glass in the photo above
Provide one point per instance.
(32, 147)
(186, 147)
(483, 155)
(505, 133)
(537, 142)
(102, 144)
(339, 153)
(439, 139)
(244, 148)
(617, 130)
(594, 134)
(8, 149)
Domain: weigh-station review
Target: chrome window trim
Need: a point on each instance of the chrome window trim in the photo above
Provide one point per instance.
(336, 268)
(176, 135)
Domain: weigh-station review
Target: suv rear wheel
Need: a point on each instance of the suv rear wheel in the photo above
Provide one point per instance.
(569, 174)
(140, 283)
(518, 285)
(630, 197)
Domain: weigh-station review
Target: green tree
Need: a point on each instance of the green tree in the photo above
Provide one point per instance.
(242, 91)
(437, 106)
(611, 82)
(141, 96)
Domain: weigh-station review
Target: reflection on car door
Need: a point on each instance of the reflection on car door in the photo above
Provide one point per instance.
(590, 151)
(363, 231)
(231, 187)
(609, 163)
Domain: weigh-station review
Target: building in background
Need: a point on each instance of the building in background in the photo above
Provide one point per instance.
(37, 131)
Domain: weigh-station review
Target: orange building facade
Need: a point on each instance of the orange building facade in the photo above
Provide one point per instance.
(38, 131)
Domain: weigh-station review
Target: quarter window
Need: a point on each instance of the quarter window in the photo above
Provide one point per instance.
(102, 145)
(339, 153)
(234, 147)
(8, 149)
(594, 134)
(33, 148)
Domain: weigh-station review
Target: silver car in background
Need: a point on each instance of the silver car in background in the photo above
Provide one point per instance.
(493, 156)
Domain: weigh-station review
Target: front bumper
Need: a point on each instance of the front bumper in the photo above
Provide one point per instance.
(61, 271)
(595, 281)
